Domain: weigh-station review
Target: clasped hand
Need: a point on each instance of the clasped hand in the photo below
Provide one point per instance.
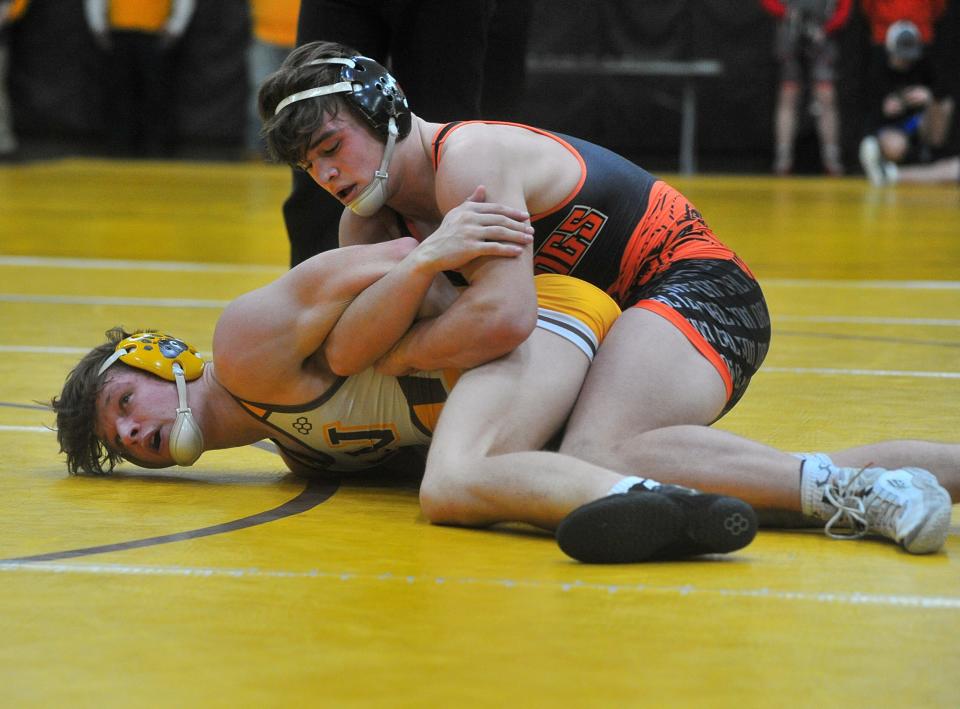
(476, 228)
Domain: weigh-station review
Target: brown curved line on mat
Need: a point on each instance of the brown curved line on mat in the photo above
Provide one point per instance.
(312, 495)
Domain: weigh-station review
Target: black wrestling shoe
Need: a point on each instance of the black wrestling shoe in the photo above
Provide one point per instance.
(668, 522)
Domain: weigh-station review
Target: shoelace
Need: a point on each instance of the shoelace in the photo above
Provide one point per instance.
(849, 507)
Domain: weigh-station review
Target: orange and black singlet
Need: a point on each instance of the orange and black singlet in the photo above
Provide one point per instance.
(647, 246)
(619, 226)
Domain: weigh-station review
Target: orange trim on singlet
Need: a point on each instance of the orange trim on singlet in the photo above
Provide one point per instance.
(438, 147)
(451, 377)
(695, 338)
(428, 415)
(255, 410)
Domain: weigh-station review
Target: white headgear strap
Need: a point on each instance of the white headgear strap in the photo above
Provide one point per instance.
(374, 195)
(337, 88)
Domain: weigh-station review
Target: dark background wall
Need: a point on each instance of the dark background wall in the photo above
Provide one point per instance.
(57, 80)
(735, 117)
(56, 86)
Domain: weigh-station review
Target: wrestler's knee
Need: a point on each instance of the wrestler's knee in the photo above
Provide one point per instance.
(444, 492)
(434, 502)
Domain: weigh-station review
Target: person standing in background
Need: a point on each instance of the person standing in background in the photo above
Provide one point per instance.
(807, 50)
(10, 11)
(138, 37)
(273, 35)
(909, 96)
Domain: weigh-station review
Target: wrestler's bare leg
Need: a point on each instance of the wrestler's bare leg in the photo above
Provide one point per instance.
(645, 407)
(484, 465)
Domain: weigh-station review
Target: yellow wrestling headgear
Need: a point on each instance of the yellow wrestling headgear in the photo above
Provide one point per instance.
(173, 360)
(156, 353)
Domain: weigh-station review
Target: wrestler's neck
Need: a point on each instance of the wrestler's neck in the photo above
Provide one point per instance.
(412, 177)
(225, 424)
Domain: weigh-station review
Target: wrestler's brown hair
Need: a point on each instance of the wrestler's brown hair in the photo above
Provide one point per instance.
(287, 135)
(76, 410)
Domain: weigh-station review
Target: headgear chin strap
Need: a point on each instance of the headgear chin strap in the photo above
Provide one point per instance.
(173, 360)
(374, 195)
(378, 97)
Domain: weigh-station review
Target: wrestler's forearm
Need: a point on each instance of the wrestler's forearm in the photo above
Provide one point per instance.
(377, 318)
(489, 319)
(479, 237)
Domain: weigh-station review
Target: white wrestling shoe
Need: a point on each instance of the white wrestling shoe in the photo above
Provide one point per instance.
(907, 505)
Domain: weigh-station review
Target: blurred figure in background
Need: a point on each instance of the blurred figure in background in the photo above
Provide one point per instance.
(138, 37)
(938, 171)
(807, 51)
(910, 108)
(10, 10)
(273, 35)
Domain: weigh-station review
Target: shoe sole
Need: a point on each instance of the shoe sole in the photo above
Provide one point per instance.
(636, 527)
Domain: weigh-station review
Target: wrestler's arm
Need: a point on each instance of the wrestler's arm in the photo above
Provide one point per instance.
(265, 339)
(474, 231)
(498, 311)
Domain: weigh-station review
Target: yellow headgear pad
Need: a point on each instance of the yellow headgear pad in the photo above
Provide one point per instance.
(156, 353)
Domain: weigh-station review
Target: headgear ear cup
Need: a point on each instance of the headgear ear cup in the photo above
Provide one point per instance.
(173, 360)
(186, 438)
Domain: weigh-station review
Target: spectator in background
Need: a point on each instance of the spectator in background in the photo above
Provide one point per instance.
(910, 107)
(138, 37)
(273, 35)
(807, 51)
(438, 47)
(10, 10)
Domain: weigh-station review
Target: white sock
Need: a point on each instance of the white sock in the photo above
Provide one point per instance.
(624, 484)
(815, 470)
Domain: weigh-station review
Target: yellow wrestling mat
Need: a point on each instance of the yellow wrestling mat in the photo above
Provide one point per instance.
(234, 584)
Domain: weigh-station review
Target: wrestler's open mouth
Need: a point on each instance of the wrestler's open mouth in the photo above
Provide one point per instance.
(155, 440)
(345, 192)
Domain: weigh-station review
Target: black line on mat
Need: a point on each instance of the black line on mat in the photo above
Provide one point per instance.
(312, 495)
